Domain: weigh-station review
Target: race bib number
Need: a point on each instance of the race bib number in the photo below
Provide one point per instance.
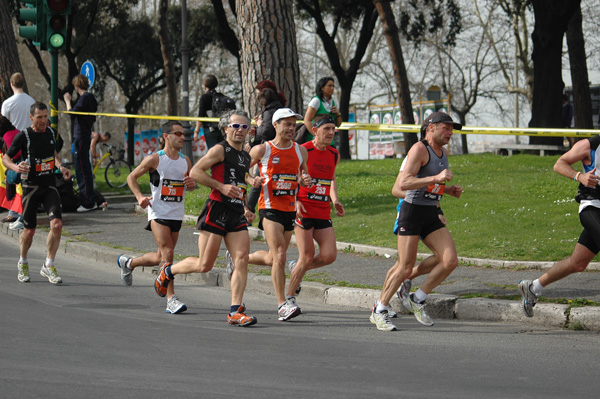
(172, 190)
(434, 191)
(284, 184)
(44, 166)
(319, 190)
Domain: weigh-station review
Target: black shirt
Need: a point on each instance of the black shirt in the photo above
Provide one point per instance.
(40, 149)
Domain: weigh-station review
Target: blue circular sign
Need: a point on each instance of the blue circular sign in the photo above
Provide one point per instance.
(88, 70)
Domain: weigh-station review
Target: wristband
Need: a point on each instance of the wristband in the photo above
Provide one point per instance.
(577, 176)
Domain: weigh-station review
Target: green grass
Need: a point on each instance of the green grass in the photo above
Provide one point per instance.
(512, 208)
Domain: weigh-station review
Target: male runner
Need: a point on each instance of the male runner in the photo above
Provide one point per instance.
(282, 164)
(423, 179)
(588, 153)
(168, 181)
(313, 209)
(38, 147)
(224, 214)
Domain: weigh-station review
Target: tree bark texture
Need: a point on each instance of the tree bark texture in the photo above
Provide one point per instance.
(9, 56)
(582, 100)
(167, 54)
(268, 50)
(390, 30)
(551, 20)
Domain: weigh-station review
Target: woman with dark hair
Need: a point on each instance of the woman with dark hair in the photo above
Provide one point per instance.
(321, 103)
(269, 102)
(269, 84)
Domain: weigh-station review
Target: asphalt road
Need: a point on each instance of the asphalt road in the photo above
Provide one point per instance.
(93, 337)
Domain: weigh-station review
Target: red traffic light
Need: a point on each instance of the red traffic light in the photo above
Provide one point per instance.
(57, 23)
(57, 5)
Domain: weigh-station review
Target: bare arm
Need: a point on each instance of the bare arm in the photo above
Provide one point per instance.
(308, 117)
(417, 157)
(579, 153)
(148, 164)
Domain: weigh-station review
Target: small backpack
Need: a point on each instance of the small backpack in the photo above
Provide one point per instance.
(221, 103)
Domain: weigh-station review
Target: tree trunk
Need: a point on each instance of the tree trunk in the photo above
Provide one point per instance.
(551, 20)
(167, 54)
(9, 56)
(267, 37)
(582, 100)
(390, 30)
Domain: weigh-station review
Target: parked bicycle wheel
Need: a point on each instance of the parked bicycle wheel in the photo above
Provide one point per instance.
(116, 173)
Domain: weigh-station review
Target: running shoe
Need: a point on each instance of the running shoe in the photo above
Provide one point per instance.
(126, 272)
(403, 294)
(529, 298)
(289, 310)
(419, 311)
(230, 265)
(174, 305)
(51, 274)
(382, 321)
(291, 266)
(23, 275)
(240, 318)
(162, 280)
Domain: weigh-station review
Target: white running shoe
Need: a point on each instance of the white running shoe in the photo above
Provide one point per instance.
(382, 321)
(529, 298)
(230, 265)
(23, 275)
(419, 310)
(289, 310)
(51, 274)
(174, 305)
(126, 272)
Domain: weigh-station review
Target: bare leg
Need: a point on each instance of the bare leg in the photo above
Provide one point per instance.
(442, 244)
(407, 255)
(577, 262)
(238, 245)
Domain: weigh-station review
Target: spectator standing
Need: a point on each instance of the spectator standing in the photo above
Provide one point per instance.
(10, 180)
(211, 134)
(321, 103)
(82, 140)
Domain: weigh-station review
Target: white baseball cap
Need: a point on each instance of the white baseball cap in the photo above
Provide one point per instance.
(283, 113)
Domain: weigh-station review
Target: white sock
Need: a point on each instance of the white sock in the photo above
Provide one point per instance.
(23, 261)
(49, 262)
(380, 307)
(537, 287)
(420, 296)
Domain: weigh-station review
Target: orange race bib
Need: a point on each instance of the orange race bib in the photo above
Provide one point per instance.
(172, 190)
(435, 191)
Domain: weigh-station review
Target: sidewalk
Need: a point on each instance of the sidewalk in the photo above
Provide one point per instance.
(106, 234)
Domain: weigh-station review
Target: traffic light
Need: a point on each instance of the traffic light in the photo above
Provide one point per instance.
(34, 13)
(56, 12)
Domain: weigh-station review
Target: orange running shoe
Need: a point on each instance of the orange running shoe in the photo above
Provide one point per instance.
(240, 318)
(162, 280)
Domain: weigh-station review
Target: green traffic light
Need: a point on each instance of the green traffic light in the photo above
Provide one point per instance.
(56, 40)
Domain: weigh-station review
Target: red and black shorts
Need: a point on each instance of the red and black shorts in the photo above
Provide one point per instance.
(310, 223)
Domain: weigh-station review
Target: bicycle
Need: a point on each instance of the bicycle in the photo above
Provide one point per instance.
(117, 170)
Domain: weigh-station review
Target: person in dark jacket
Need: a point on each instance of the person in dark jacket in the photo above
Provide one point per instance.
(82, 140)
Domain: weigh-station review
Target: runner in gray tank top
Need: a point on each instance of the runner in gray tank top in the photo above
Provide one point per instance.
(424, 181)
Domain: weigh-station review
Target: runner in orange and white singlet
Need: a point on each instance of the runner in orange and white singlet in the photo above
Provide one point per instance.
(282, 165)
(313, 213)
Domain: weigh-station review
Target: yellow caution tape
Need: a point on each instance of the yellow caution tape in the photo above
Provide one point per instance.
(381, 127)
